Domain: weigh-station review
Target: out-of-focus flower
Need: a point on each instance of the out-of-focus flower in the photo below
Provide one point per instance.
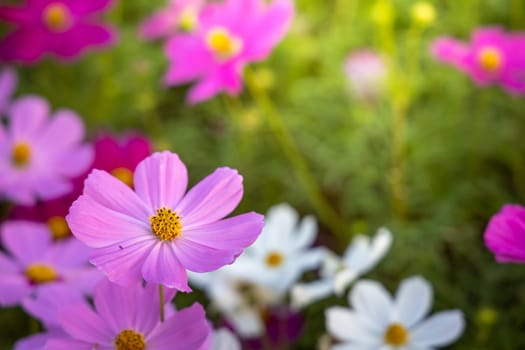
(8, 83)
(282, 252)
(223, 339)
(179, 15)
(64, 28)
(37, 341)
(423, 13)
(337, 273)
(36, 263)
(379, 322)
(129, 318)
(157, 231)
(230, 35)
(492, 57)
(366, 73)
(505, 234)
(38, 156)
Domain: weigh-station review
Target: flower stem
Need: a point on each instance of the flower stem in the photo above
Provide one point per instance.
(161, 301)
(325, 211)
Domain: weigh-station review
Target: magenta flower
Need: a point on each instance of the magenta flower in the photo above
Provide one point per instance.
(64, 28)
(156, 232)
(8, 83)
(230, 35)
(179, 15)
(36, 263)
(129, 318)
(492, 57)
(505, 234)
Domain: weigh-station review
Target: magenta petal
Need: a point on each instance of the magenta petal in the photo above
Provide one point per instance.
(505, 234)
(163, 267)
(82, 323)
(161, 180)
(25, 45)
(70, 44)
(449, 50)
(189, 59)
(26, 240)
(214, 197)
(88, 7)
(205, 89)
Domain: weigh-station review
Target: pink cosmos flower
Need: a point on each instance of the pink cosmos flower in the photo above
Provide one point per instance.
(156, 232)
(367, 74)
(492, 57)
(64, 28)
(129, 318)
(179, 15)
(230, 35)
(8, 82)
(39, 156)
(505, 234)
(36, 263)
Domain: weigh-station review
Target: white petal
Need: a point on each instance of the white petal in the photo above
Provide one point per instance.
(439, 330)
(223, 339)
(380, 245)
(246, 322)
(306, 293)
(356, 254)
(372, 302)
(413, 300)
(331, 263)
(346, 325)
(343, 278)
(352, 346)
(306, 233)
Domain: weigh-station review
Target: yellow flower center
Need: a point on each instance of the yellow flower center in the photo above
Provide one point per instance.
(58, 227)
(57, 17)
(490, 59)
(187, 20)
(130, 340)
(166, 224)
(223, 44)
(396, 335)
(21, 154)
(40, 273)
(124, 174)
(274, 259)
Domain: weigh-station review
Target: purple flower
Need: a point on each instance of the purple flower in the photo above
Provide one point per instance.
(8, 83)
(36, 263)
(129, 318)
(230, 35)
(64, 28)
(156, 231)
(38, 156)
(492, 57)
(505, 234)
(179, 15)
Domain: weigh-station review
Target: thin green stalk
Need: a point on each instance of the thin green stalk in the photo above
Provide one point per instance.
(161, 301)
(324, 210)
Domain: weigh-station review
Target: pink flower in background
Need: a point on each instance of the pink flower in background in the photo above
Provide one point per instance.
(229, 36)
(157, 231)
(40, 156)
(366, 73)
(505, 234)
(35, 263)
(179, 15)
(129, 318)
(492, 57)
(8, 83)
(64, 28)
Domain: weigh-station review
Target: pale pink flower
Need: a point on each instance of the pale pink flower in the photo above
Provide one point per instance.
(367, 74)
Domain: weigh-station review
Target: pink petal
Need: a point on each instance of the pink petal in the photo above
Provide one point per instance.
(75, 162)
(13, 288)
(8, 83)
(207, 88)
(28, 116)
(214, 197)
(200, 258)
(69, 253)
(25, 240)
(82, 323)
(189, 59)
(65, 129)
(163, 267)
(449, 50)
(161, 180)
(161, 24)
(69, 344)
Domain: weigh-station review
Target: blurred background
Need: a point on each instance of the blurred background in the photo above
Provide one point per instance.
(427, 154)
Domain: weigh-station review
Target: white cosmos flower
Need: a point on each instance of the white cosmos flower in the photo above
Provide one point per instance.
(337, 273)
(282, 252)
(380, 322)
(223, 339)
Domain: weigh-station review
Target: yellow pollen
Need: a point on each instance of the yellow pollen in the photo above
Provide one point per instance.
(130, 340)
(58, 227)
(274, 259)
(57, 17)
(21, 154)
(187, 20)
(490, 59)
(165, 224)
(222, 43)
(396, 335)
(124, 174)
(40, 273)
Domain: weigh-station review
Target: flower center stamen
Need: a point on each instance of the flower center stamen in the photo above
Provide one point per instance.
(274, 259)
(222, 43)
(130, 340)
(40, 273)
(58, 227)
(396, 335)
(165, 224)
(21, 154)
(123, 174)
(57, 17)
(490, 59)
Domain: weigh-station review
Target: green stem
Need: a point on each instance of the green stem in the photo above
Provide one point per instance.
(161, 301)
(326, 213)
